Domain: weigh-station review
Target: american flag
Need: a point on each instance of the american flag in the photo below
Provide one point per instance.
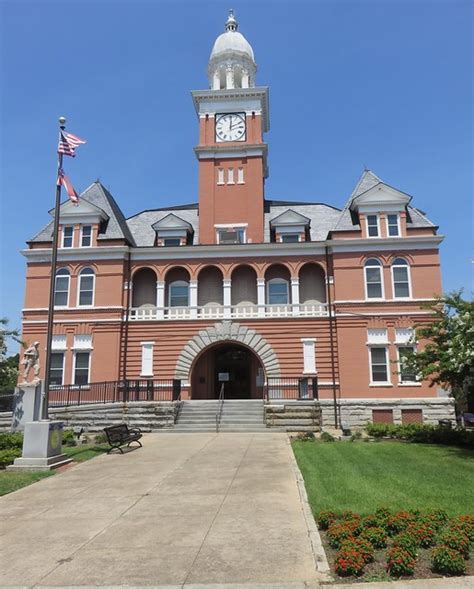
(68, 143)
(64, 181)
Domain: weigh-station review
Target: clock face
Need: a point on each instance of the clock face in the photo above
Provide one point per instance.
(230, 127)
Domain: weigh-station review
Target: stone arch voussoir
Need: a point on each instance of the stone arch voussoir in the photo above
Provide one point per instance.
(232, 332)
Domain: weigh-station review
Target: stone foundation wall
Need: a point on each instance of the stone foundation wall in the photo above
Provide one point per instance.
(149, 416)
(358, 412)
(293, 416)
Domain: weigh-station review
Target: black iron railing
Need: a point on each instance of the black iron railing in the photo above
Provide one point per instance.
(6, 401)
(120, 391)
(220, 407)
(299, 388)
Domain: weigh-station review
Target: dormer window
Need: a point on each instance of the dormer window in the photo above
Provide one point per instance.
(231, 235)
(172, 231)
(171, 241)
(68, 233)
(393, 227)
(290, 238)
(290, 227)
(86, 235)
(373, 226)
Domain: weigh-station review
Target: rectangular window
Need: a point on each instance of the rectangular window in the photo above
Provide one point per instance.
(81, 367)
(406, 374)
(240, 176)
(412, 416)
(309, 356)
(374, 282)
(231, 235)
(86, 290)
(171, 241)
(382, 416)
(230, 176)
(290, 238)
(401, 282)
(57, 368)
(378, 365)
(147, 359)
(278, 292)
(393, 230)
(68, 233)
(220, 176)
(61, 293)
(86, 236)
(372, 225)
(179, 295)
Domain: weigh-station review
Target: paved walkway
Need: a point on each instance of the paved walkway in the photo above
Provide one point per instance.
(184, 510)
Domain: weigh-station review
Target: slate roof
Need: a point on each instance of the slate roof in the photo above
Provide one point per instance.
(348, 220)
(141, 224)
(322, 217)
(99, 196)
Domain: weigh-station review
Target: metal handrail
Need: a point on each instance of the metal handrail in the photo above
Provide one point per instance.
(220, 406)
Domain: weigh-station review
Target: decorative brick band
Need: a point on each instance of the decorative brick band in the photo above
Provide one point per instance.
(231, 332)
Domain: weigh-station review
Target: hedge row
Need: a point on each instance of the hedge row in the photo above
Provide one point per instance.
(423, 434)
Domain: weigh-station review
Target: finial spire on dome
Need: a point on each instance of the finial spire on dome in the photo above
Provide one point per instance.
(231, 24)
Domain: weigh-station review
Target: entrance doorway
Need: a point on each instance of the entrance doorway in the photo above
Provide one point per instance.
(232, 364)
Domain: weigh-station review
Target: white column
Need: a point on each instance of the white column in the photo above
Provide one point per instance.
(229, 77)
(245, 79)
(193, 297)
(160, 299)
(261, 296)
(295, 295)
(227, 299)
(216, 81)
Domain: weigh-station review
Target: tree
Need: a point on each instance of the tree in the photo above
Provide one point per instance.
(8, 365)
(447, 358)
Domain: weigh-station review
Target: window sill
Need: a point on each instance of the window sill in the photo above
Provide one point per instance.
(409, 384)
(381, 384)
(146, 375)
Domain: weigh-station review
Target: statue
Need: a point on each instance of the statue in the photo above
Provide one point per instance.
(31, 361)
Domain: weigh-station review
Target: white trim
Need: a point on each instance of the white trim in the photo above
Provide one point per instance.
(309, 355)
(220, 176)
(73, 379)
(377, 217)
(147, 358)
(81, 235)
(240, 175)
(407, 266)
(59, 321)
(98, 308)
(79, 282)
(66, 306)
(230, 176)
(243, 226)
(398, 224)
(63, 229)
(388, 382)
(363, 301)
(225, 225)
(384, 314)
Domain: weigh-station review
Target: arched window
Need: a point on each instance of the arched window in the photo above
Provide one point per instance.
(278, 292)
(373, 279)
(401, 279)
(179, 294)
(61, 288)
(85, 297)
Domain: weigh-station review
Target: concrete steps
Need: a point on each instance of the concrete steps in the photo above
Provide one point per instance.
(237, 416)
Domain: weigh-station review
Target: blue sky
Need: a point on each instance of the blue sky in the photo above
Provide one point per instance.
(382, 84)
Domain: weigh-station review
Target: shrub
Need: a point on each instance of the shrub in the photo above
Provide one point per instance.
(68, 438)
(10, 441)
(305, 437)
(326, 437)
(423, 434)
(436, 519)
(100, 438)
(349, 561)
(370, 521)
(423, 533)
(338, 532)
(457, 540)
(326, 518)
(383, 514)
(379, 430)
(447, 561)
(465, 523)
(400, 562)
(8, 456)
(406, 542)
(376, 536)
(360, 545)
(400, 521)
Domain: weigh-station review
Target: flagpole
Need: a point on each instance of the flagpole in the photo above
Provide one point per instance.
(52, 285)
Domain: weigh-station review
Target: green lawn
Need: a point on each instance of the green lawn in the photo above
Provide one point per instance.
(12, 481)
(363, 476)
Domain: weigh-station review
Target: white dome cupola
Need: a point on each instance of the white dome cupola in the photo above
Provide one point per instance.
(231, 64)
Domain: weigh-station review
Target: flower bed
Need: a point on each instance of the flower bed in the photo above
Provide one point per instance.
(404, 544)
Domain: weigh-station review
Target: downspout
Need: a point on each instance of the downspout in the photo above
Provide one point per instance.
(331, 337)
(127, 313)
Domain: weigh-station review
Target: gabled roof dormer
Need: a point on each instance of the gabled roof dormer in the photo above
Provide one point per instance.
(380, 197)
(289, 223)
(172, 230)
(82, 212)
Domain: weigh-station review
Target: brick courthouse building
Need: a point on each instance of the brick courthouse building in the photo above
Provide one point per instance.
(241, 288)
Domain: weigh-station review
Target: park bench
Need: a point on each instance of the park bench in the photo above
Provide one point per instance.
(119, 435)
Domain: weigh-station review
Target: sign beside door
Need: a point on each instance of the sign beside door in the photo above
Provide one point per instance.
(223, 377)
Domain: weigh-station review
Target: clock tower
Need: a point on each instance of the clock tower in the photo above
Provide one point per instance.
(233, 116)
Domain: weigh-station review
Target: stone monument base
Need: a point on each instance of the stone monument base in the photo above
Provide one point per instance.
(41, 447)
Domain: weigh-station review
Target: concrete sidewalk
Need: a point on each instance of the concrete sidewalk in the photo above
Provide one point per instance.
(183, 510)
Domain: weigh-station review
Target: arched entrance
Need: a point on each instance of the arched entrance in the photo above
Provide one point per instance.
(230, 363)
